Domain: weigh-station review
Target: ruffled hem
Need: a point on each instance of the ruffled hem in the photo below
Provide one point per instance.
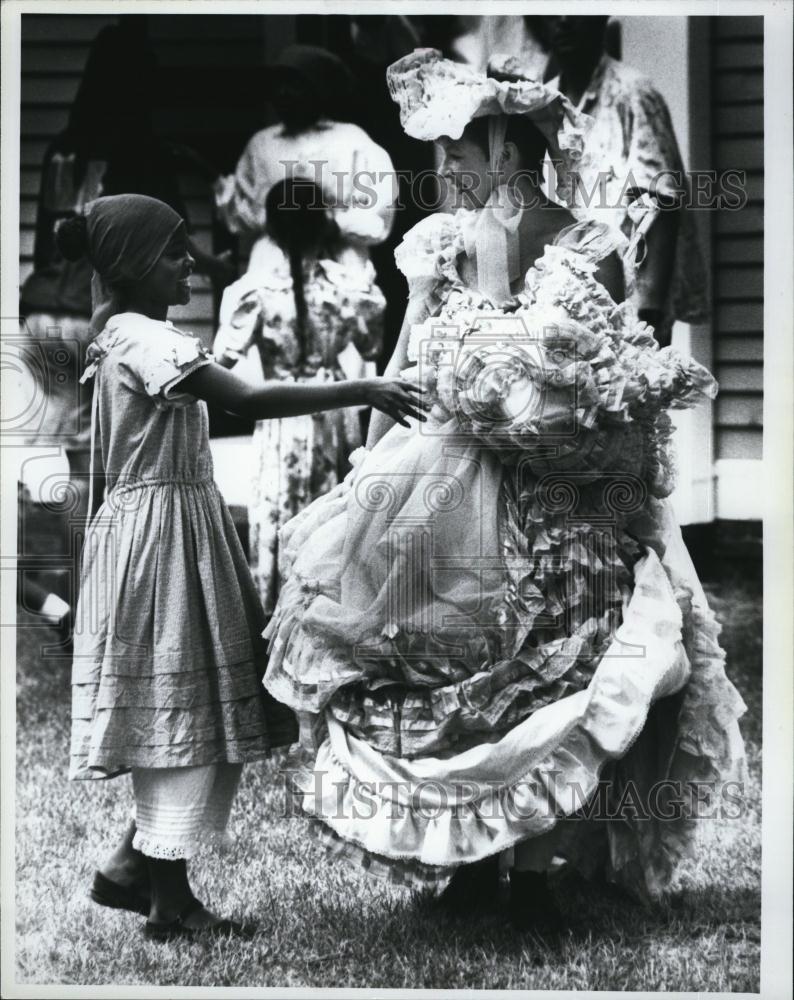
(406, 872)
(572, 739)
(108, 742)
(575, 578)
(114, 761)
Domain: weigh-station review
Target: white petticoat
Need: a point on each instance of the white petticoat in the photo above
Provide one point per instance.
(180, 811)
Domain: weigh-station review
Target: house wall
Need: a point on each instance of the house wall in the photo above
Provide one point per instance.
(710, 72)
(662, 47)
(54, 50)
(210, 96)
(737, 81)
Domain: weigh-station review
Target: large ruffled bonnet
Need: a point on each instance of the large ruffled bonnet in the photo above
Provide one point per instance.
(439, 97)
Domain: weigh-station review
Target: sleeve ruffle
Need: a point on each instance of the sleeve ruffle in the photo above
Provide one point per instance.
(180, 355)
(430, 249)
(153, 364)
(158, 367)
(239, 316)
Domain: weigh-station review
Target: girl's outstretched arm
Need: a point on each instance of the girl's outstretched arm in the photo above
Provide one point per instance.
(396, 397)
(416, 312)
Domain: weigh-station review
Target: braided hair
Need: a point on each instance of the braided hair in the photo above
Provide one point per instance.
(300, 223)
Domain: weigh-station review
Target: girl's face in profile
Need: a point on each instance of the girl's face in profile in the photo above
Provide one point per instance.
(168, 282)
(466, 167)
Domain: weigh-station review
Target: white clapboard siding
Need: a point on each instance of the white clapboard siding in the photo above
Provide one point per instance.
(737, 79)
(193, 49)
(54, 49)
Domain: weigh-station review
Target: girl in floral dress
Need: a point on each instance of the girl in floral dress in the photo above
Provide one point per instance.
(308, 318)
(168, 655)
(494, 618)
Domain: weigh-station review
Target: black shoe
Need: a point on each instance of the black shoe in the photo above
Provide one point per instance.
(106, 892)
(473, 886)
(532, 906)
(174, 929)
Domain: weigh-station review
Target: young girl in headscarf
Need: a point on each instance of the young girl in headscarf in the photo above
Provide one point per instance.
(168, 652)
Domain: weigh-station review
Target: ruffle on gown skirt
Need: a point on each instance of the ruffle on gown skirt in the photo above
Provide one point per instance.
(657, 707)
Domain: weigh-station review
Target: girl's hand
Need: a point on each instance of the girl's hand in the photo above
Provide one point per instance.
(398, 398)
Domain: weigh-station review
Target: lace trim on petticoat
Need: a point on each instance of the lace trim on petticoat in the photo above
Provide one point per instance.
(153, 847)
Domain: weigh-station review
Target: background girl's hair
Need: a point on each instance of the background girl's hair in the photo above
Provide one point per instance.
(71, 237)
(300, 223)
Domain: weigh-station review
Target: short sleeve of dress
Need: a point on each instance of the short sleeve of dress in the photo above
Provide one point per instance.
(156, 361)
(237, 196)
(369, 215)
(240, 313)
(357, 305)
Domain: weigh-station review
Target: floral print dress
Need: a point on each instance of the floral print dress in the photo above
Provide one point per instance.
(631, 146)
(296, 459)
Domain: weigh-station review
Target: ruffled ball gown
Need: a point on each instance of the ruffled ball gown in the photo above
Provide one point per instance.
(493, 620)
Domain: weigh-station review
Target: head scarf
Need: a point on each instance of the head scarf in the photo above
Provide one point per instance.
(127, 234)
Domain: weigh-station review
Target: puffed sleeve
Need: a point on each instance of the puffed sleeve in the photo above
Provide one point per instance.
(429, 252)
(354, 305)
(155, 363)
(238, 197)
(368, 216)
(653, 160)
(240, 315)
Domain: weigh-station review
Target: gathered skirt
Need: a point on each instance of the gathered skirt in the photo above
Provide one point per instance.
(168, 655)
(469, 667)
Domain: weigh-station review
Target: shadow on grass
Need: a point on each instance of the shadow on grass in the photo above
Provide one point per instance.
(593, 913)
(323, 925)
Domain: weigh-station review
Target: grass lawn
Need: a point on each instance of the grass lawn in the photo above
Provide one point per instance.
(323, 924)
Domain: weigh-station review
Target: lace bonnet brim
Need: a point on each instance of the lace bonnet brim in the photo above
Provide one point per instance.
(438, 97)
